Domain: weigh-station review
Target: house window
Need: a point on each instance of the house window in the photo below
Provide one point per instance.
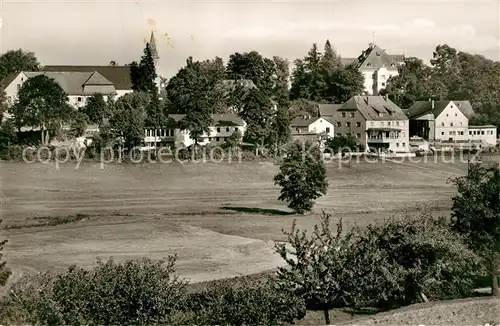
(442, 124)
(389, 123)
(380, 114)
(447, 115)
(339, 124)
(470, 132)
(339, 134)
(352, 114)
(397, 144)
(79, 99)
(327, 129)
(404, 144)
(368, 64)
(456, 115)
(451, 124)
(358, 135)
(227, 129)
(216, 138)
(210, 139)
(442, 133)
(482, 132)
(383, 84)
(358, 124)
(343, 114)
(218, 129)
(347, 124)
(397, 123)
(236, 129)
(390, 76)
(461, 123)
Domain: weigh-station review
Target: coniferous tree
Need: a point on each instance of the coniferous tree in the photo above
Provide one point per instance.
(143, 75)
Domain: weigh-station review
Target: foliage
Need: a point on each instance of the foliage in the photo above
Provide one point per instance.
(3, 103)
(234, 140)
(96, 108)
(195, 91)
(79, 124)
(7, 134)
(399, 261)
(128, 117)
(316, 266)
(4, 271)
(208, 73)
(156, 115)
(281, 93)
(322, 77)
(17, 60)
(476, 213)
(143, 74)
(248, 303)
(341, 144)
(280, 127)
(302, 177)
(257, 111)
(41, 102)
(134, 292)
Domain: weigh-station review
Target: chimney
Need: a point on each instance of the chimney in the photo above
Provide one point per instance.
(432, 104)
(386, 97)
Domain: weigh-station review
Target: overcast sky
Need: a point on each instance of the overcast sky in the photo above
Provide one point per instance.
(96, 32)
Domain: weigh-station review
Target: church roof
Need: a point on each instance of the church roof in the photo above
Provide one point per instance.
(118, 75)
(152, 46)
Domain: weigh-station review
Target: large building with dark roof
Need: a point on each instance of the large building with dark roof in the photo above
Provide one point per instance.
(376, 66)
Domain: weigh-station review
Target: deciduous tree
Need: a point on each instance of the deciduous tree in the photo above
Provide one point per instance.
(41, 103)
(17, 60)
(476, 214)
(96, 108)
(302, 177)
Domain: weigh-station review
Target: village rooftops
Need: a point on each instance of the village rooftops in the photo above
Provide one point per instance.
(420, 108)
(374, 108)
(118, 75)
(375, 57)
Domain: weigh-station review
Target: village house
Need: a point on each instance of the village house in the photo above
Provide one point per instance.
(308, 128)
(376, 66)
(377, 123)
(172, 135)
(78, 85)
(448, 121)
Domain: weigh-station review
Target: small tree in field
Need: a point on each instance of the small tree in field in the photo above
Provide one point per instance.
(316, 266)
(302, 177)
(476, 214)
(4, 271)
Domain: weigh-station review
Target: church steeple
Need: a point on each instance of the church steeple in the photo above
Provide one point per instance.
(152, 47)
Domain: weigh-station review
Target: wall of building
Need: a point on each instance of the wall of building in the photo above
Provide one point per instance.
(488, 135)
(322, 126)
(349, 122)
(376, 79)
(451, 124)
(399, 144)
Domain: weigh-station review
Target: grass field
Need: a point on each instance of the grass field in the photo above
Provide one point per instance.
(220, 219)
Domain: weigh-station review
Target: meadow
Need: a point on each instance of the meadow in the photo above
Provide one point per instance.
(220, 219)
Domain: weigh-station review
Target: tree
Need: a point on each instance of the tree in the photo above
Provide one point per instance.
(79, 124)
(96, 108)
(282, 77)
(316, 266)
(17, 60)
(199, 95)
(257, 111)
(3, 103)
(280, 128)
(234, 140)
(143, 75)
(476, 214)
(415, 82)
(253, 66)
(342, 144)
(4, 271)
(343, 84)
(180, 87)
(330, 62)
(41, 102)
(128, 117)
(302, 177)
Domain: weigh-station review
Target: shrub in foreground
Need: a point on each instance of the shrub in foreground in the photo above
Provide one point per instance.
(248, 303)
(134, 292)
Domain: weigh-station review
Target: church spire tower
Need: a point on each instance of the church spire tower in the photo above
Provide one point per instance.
(156, 58)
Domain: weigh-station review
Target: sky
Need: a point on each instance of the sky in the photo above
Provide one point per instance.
(96, 32)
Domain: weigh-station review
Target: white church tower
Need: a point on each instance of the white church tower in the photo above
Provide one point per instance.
(156, 58)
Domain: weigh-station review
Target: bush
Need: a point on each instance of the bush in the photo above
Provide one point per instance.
(134, 292)
(248, 303)
(405, 260)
